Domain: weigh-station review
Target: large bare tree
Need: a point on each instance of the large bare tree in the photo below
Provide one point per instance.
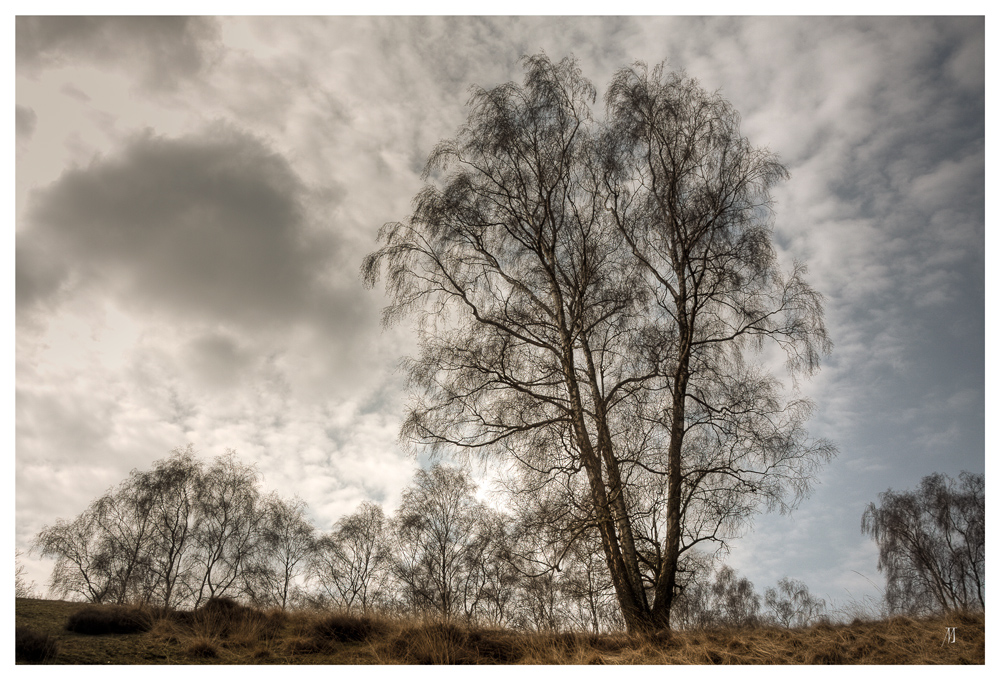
(590, 300)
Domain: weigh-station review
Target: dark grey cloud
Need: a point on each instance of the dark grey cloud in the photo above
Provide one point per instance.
(25, 122)
(212, 225)
(75, 93)
(218, 360)
(166, 49)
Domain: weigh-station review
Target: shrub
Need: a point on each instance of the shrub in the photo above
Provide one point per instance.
(30, 646)
(342, 627)
(221, 606)
(110, 619)
(447, 643)
(433, 643)
(223, 617)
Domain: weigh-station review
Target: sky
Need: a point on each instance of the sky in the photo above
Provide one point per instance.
(194, 198)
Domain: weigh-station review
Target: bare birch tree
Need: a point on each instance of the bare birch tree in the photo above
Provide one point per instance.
(288, 545)
(932, 543)
(229, 534)
(589, 299)
(791, 605)
(351, 564)
(436, 539)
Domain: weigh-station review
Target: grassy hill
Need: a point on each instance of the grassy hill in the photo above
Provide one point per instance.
(225, 633)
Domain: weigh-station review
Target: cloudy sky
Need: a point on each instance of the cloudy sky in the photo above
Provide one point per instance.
(194, 198)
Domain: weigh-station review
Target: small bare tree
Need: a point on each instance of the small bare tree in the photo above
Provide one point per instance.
(586, 586)
(179, 532)
(230, 530)
(351, 564)
(82, 567)
(436, 537)
(22, 587)
(172, 484)
(791, 605)
(932, 543)
(735, 602)
(288, 544)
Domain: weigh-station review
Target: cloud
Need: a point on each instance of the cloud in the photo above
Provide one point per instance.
(166, 50)
(25, 121)
(211, 225)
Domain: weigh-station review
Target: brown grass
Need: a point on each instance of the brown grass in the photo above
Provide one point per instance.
(227, 633)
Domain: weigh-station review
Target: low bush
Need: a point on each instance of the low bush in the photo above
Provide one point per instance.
(224, 618)
(341, 627)
(110, 619)
(30, 646)
(447, 643)
(495, 646)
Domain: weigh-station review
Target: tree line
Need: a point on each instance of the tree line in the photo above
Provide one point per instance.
(187, 530)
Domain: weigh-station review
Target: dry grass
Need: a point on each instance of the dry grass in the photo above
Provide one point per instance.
(227, 633)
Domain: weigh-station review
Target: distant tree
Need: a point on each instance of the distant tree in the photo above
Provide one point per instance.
(735, 602)
(288, 544)
(229, 535)
(351, 564)
(124, 521)
(179, 532)
(790, 604)
(22, 587)
(713, 596)
(932, 543)
(589, 299)
(82, 567)
(541, 603)
(489, 588)
(173, 485)
(693, 607)
(104, 553)
(587, 588)
(437, 534)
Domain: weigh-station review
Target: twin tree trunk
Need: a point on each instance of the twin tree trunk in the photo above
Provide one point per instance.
(608, 491)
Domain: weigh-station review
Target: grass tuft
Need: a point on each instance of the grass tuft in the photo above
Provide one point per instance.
(203, 649)
(30, 646)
